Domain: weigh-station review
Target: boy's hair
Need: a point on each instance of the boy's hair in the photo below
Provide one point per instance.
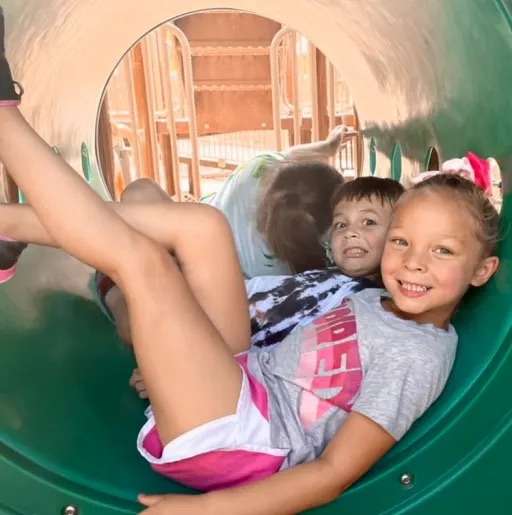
(484, 215)
(294, 213)
(369, 188)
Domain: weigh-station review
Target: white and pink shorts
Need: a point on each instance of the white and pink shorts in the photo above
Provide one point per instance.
(230, 451)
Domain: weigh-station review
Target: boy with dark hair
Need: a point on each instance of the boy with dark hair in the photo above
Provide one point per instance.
(361, 215)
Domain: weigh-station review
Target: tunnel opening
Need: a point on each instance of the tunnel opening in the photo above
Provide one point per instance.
(38, 439)
(200, 94)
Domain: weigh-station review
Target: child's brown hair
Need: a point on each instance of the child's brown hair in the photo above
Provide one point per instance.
(295, 212)
(369, 188)
(477, 204)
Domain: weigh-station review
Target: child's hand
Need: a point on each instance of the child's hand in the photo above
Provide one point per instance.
(173, 504)
(137, 383)
(335, 138)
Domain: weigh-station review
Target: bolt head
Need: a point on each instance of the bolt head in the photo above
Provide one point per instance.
(406, 479)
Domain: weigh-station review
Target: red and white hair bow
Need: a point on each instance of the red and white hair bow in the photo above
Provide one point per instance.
(471, 166)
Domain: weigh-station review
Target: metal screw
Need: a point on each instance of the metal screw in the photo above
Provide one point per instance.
(70, 510)
(263, 125)
(406, 479)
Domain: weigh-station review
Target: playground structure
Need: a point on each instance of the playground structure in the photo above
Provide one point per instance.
(205, 92)
(429, 88)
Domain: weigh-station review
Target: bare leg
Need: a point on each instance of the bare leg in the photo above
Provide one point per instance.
(146, 208)
(165, 223)
(144, 191)
(191, 375)
(319, 150)
(116, 303)
(21, 223)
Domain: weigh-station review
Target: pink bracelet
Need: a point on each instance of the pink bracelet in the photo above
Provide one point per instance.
(9, 103)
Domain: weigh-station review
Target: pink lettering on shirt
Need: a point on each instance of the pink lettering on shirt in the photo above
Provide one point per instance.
(329, 368)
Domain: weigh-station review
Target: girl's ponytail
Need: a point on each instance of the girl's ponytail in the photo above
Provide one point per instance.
(292, 234)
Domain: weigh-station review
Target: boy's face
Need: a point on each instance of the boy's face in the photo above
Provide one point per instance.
(358, 234)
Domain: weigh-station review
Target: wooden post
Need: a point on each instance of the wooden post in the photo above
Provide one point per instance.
(306, 135)
(165, 146)
(321, 78)
(141, 101)
(359, 146)
(105, 148)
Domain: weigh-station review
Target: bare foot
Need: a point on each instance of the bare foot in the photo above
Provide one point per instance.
(137, 383)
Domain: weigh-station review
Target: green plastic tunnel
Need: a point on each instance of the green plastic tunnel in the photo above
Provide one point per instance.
(423, 74)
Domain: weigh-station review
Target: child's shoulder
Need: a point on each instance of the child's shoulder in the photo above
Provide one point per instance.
(258, 163)
(369, 297)
(376, 323)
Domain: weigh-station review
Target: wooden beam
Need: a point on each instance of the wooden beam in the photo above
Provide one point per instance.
(141, 101)
(321, 80)
(105, 148)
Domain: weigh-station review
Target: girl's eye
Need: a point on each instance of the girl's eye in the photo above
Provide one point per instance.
(443, 251)
(399, 241)
(340, 225)
(369, 221)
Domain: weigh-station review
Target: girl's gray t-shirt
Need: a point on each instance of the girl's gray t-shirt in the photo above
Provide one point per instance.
(358, 357)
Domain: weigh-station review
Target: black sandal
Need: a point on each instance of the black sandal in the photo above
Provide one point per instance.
(10, 90)
(103, 285)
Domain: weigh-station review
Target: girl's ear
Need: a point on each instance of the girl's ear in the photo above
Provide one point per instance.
(485, 271)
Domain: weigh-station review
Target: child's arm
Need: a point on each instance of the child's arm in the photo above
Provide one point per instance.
(320, 150)
(355, 448)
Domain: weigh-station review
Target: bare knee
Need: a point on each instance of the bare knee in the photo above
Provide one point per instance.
(148, 262)
(144, 190)
(209, 229)
(142, 267)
